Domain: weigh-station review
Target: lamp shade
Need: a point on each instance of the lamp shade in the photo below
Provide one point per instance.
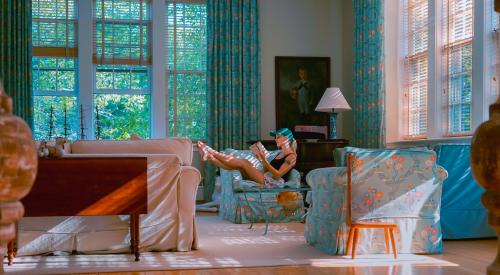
(332, 100)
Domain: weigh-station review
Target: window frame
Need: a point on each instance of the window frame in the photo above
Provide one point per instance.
(58, 52)
(157, 76)
(482, 45)
(174, 72)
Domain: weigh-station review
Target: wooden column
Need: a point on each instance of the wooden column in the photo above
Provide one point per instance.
(18, 166)
(485, 164)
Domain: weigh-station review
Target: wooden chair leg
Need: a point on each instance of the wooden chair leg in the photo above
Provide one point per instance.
(355, 242)
(393, 241)
(386, 233)
(349, 241)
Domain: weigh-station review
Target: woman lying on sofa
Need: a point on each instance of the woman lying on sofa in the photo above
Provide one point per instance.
(274, 172)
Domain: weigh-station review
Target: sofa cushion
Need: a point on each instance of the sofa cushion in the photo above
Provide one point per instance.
(181, 147)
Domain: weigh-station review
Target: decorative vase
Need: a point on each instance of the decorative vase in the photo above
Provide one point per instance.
(18, 167)
(485, 164)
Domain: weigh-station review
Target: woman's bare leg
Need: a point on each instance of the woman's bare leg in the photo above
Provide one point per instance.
(245, 167)
(218, 163)
(230, 162)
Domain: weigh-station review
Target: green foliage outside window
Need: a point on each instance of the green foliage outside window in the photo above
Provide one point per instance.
(120, 116)
(186, 57)
(43, 104)
(54, 86)
(121, 77)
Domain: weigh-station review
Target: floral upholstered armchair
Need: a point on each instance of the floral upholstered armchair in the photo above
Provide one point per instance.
(396, 186)
(235, 207)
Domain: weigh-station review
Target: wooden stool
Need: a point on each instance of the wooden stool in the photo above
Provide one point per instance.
(352, 241)
(355, 227)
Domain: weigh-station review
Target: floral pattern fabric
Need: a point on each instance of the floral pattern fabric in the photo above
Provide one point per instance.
(234, 206)
(399, 186)
(233, 76)
(369, 87)
(15, 55)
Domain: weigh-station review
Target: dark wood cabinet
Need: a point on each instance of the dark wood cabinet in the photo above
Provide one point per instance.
(312, 154)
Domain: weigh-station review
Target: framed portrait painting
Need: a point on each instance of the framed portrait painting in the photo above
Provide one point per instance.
(300, 83)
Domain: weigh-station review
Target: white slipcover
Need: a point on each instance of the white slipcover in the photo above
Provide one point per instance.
(169, 225)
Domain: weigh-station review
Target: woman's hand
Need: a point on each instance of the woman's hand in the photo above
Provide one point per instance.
(261, 156)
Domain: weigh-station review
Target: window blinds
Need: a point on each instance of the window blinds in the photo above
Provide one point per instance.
(122, 32)
(458, 33)
(186, 42)
(54, 28)
(416, 67)
(496, 69)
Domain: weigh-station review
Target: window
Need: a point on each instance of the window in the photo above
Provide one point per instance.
(441, 78)
(54, 66)
(458, 37)
(93, 71)
(122, 47)
(186, 68)
(495, 87)
(416, 28)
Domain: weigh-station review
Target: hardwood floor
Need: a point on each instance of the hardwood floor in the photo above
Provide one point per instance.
(467, 257)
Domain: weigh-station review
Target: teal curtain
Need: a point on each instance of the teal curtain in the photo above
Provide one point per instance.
(233, 76)
(369, 88)
(15, 55)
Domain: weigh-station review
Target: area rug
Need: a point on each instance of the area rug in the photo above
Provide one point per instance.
(222, 244)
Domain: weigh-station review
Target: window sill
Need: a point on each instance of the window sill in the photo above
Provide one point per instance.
(428, 142)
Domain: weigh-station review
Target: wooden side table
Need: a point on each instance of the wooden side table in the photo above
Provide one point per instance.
(89, 186)
(312, 154)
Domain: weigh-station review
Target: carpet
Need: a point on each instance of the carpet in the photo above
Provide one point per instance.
(221, 244)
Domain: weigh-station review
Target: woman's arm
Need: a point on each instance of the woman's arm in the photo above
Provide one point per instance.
(289, 163)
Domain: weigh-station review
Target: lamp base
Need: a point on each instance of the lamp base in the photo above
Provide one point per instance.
(333, 126)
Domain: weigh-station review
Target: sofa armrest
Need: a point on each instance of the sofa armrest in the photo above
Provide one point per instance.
(442, 174)
(293, 179)
(187, 186)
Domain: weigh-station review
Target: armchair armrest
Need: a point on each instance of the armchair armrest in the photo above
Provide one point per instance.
(330, 177)
(239, 184)
(328, 192)
(442, 174)
(293, 179)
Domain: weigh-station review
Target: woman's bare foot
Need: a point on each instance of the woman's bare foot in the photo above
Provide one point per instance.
(205, 150)
(202, 150)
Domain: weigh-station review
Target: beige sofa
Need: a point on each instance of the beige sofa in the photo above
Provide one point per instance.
(169, 225)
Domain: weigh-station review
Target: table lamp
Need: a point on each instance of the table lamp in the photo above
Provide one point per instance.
(333, 102)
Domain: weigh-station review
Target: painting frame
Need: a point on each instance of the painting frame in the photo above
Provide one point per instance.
(294, 102)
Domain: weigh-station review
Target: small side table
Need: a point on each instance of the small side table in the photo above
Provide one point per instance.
(260, 191)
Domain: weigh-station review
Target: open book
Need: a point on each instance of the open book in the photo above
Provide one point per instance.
(258, 146)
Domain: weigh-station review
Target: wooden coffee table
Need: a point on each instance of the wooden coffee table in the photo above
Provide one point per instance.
(89, 186)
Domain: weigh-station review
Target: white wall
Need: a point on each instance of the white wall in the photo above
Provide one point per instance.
(300, 28)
